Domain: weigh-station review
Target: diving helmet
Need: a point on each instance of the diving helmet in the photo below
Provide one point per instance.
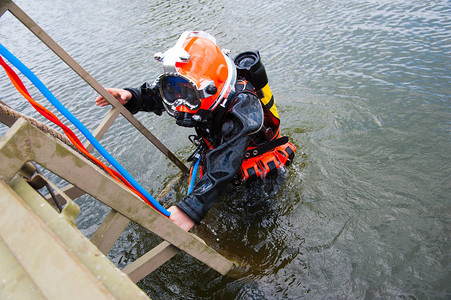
(197, 76)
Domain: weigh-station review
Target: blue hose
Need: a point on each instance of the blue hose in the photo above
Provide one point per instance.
(193, 176)
(45, 91)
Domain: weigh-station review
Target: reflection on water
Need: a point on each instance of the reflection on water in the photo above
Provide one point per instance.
(363, 90)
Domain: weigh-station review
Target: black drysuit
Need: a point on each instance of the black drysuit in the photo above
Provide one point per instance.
(229, 130)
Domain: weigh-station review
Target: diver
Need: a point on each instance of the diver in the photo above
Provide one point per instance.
(230, 106)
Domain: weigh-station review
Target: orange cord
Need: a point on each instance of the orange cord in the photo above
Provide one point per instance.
(70, 134)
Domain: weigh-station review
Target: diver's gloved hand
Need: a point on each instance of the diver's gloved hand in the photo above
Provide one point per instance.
(121, 95)
(180, 218)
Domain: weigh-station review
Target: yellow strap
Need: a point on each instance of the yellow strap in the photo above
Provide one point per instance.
(269, 99)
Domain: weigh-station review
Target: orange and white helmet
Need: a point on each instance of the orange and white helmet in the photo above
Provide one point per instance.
(197, 74)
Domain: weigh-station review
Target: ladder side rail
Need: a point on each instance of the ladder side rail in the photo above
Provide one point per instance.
(23, 143)
(114, 223)
(72, 191)
(8, 116)
(3, 8)
(64, 56)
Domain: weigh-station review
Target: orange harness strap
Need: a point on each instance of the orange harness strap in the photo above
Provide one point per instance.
(262, 165)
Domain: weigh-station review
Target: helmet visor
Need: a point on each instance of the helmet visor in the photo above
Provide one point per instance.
(177, 91)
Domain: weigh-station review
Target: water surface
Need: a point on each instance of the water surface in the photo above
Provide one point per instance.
(363, 91)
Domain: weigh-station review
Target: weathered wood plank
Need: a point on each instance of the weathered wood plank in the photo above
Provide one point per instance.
(23, 142)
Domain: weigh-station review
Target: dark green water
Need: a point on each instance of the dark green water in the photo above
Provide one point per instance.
(363, 89)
